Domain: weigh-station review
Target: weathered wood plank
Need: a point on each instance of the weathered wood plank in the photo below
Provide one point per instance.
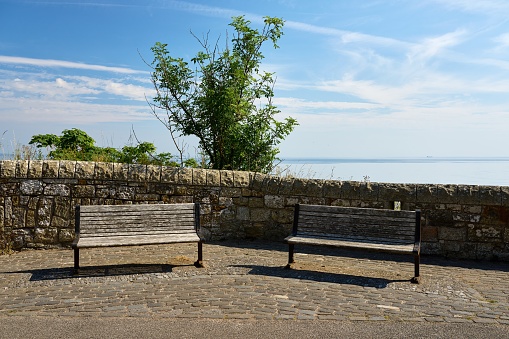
(138, 207)
(395, 248)
(142, 239)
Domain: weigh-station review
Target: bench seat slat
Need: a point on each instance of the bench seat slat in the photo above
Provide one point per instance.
(358, 238)
(375, 246)
(142, 239)
(121, 233)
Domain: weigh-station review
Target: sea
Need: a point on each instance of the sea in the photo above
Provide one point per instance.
(492, 171)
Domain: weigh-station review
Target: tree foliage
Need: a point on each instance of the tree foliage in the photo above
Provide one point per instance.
(223, 98)
(75, 144)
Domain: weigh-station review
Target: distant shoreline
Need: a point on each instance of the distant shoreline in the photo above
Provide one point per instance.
(402, 160)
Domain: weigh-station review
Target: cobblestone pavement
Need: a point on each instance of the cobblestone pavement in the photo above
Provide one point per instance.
(246, 280)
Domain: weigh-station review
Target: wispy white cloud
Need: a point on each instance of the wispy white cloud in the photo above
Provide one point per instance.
(4, 59)
(345, 37)
(72, 88)
(432, 47)
(306, 106)
(30, 110)
(502, 42)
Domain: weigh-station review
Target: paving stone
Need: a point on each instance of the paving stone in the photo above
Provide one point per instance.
(245, 280)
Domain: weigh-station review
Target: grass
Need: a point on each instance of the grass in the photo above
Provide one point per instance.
(18, 151)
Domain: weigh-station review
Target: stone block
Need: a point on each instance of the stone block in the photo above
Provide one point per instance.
(350, 190)
(234, 192)
(169, 174)
(426, 194)
(50, 168)
(273, 184)
(8, 169)
(137, 172)
(22, 169)
(260, 214)
(213, 178)
(146, 197)
(153, 173)
(57, 189)
(504, 195)
(125, 193)
(468, 194)
(429, 233)
(490, 195)
(104, 170)
(63, 207)
(256, 202)
(59, 222)
(120, 171)
(185, 176)
(451, 248)
(31, 187)
(18, 217)
(84, 191)
(66, 169)
(440, 218)
(100, 191)
(35, 169)
(226, 178)
(451, 233)
(242, 179)
(283, 216)
(259, 182)
(243, 213)
(85, 170)
(492, 215)
(332, 189)
(369, 191)
(46, 235)
(274, 201)
(398, 192)
(286, 186)
(199, 177)
(447, 194)
(65, 235)
(253, 231)
(486, 233)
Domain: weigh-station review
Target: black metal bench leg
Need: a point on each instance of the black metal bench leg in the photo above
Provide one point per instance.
(199, 262)
(291, 248)
(416, 279)
(76, 261)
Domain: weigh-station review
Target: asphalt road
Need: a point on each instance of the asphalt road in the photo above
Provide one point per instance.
(93, 327)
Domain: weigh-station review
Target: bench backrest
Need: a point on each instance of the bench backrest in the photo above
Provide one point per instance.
(122, 220)
(357, 223)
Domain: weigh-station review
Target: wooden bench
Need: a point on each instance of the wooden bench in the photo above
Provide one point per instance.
(129, 225)
(357, 228)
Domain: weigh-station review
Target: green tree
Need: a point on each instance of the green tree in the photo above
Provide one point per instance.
(75, 144)
(223, 99)
(72, 144)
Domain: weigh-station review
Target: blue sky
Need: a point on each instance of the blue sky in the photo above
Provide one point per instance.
(363, 78)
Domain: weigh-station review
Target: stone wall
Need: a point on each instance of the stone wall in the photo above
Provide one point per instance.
(37, 200)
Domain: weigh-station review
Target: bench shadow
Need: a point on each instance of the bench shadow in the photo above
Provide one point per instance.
(98, 271)
(426, 259)
(337, 278)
